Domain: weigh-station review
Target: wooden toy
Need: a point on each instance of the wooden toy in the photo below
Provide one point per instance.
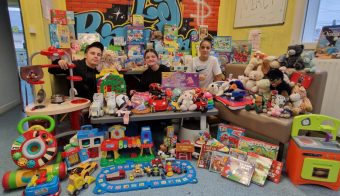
(313, 160)
(184, 150)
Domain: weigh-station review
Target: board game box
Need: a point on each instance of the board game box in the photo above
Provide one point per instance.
(259, 147)
(238, 170)
(218, 161)
(181, 80)
(229, 135)
(262, 166)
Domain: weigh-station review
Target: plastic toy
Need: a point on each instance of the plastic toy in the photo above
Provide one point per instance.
(49, 186)
(85, 169)
(78, 182)
(184, 149)
(36, 146)
(110, 147)
(20, 178)
(154, 181)
(34, 74)
(90, 138)
(116, 176)
(313, 160)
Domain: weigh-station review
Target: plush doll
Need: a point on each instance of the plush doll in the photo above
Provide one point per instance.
(307, 57)
(270, 62)
(277, 106)
(299, 100)
(254, 76)
(186, 101)
(264, 87)
(253, 64)
(292, 58)
(218, 88)
(259, 105)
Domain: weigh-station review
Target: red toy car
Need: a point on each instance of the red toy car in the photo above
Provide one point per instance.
(201, 102)
(158, 105)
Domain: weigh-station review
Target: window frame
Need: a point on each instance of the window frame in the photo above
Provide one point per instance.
(301, 18)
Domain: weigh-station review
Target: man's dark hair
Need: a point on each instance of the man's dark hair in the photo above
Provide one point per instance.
(95, 45)
(207, 39)
(275, 74)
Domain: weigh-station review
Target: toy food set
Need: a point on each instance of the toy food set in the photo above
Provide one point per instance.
(262, 166)
(275, 171)
(183, 173)
(218, 161)
(229, 135)
(238, 170)
(182, 80)
(259, 147)
(314, 160)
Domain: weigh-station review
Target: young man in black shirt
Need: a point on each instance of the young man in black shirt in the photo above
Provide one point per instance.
(86, 68)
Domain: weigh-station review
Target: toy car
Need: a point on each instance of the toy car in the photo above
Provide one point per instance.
(85, 169)
(158, 104)
(116, 175)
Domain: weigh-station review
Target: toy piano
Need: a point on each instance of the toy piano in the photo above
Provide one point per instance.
(312, 160)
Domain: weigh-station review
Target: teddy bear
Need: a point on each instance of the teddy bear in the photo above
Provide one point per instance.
(299, 101)
(254, 76)
(186, 101)
(270, 62)
(307, 57)
(263, 87)
(292, 59)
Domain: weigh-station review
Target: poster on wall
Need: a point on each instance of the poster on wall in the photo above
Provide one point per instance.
(250, 13)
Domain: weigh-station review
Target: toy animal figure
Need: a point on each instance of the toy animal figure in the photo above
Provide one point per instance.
(186, 101)
(110, 103)
(96, 108)
(300, 102)
(292, 58)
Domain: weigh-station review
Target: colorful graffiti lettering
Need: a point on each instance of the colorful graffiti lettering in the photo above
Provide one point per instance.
(115, 20)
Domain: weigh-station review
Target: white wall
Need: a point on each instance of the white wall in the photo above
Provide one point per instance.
(9, 82)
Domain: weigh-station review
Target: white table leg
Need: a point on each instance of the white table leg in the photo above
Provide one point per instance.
(203, 122)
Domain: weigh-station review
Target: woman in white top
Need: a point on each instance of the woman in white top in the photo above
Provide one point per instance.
(206, 66)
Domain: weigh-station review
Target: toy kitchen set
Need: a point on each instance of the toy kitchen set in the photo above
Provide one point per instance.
(313, 160)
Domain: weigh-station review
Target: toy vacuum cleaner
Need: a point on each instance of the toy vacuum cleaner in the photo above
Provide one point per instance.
(313, 160)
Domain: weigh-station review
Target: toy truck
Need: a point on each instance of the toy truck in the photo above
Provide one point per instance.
(78, 182)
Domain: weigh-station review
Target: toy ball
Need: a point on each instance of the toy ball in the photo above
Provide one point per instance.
(35, 147)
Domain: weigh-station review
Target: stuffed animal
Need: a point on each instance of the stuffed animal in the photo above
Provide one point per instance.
(218, 88)
(263, 87)
(253, 77)
(278, 106)
(186, 101)
(299, 100)
(292, 58)
(253, 64)
(307, 57)
(270, 62)
(259, 105)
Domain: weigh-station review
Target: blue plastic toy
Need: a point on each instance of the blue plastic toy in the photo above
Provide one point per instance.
(103, 186)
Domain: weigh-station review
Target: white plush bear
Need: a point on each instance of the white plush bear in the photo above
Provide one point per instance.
(251, 83)
(186, 101)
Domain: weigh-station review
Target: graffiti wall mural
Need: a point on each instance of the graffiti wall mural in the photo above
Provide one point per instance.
(110, 18)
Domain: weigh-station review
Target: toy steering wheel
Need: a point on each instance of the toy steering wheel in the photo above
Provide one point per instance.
(29, 118)
(36, 146)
